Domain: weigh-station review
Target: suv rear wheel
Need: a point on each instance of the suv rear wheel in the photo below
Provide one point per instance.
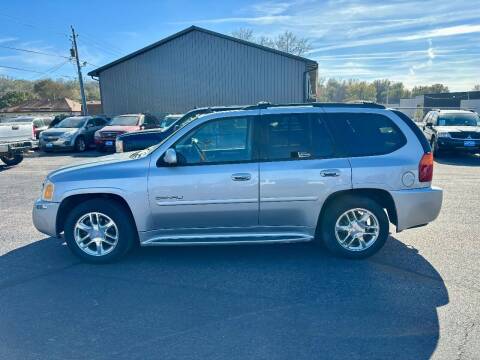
(96, 231)
(354, 227)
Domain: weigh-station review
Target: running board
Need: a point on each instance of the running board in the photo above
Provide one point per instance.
(226, 239)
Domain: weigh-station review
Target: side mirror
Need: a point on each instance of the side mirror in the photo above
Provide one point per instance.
(170, 157)
(429, 125)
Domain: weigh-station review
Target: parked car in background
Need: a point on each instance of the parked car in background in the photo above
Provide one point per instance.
(16, 137)
(57, 119)
(452, 130)
(39, 123)
(169, 120)
(72, 133)
(335, 173)
(139, 140)
(105, 138)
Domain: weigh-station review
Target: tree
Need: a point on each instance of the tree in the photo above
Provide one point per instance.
(429, 89)
(476, 87)
(13, 98)
(244, 34)
(286, 41)
(360, 90)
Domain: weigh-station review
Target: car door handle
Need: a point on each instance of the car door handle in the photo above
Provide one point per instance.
(241, 177)
(330, 173)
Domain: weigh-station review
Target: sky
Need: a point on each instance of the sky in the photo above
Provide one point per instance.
(418, 42)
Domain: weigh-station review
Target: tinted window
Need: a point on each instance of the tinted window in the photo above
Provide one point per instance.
(217, 141)
(366, 134)
(99, 122)
(294, 136)
(140, 142)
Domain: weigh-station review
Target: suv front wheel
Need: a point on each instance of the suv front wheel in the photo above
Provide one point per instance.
(96, 231)
(354, 227)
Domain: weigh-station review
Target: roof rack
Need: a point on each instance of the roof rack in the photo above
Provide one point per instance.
(360, 104)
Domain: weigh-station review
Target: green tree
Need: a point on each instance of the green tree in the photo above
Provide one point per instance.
(429, 89)
(13, 98)
(360, 90)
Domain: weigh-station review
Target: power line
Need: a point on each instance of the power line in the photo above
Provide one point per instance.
(33, 51)
(29, 70)
(51, 70)
(41, 53)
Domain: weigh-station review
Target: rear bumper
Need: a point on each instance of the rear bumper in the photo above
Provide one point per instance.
(417, 207)
(17, 146)
(44, 216)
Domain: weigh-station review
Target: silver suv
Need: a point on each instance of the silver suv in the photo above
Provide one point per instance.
(337, 173)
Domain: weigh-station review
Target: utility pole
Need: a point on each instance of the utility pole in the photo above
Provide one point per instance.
(74, 53)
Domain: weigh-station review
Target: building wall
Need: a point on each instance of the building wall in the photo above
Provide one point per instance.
(410, 107)
(471, 105)
(199, 69)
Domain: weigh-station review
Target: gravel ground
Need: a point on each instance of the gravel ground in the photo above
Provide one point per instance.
(418, 298)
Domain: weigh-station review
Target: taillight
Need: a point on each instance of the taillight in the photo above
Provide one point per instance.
(425, 168)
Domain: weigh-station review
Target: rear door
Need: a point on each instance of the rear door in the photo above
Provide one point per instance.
(300, 166)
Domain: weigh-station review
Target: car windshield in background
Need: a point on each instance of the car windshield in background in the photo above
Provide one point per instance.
(124, 120)
(168, 121)
(71, 122)
(459, 120)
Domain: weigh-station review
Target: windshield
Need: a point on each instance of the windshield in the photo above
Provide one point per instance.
(458, 120)
(125, 120)
(71, 122)
(168, 121)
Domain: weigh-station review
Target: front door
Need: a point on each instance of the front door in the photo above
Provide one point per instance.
(214, 187)
(299, 168)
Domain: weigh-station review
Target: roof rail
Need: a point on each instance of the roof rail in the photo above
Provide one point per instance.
(360, 104)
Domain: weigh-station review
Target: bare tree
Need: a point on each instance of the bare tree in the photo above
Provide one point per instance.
(476, 87)
(244, 34)
(286, 41)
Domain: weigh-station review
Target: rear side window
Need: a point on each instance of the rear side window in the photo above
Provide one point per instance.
(366, 134)
(294, 136)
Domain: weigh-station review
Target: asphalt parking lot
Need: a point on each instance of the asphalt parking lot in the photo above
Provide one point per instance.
(417, 298)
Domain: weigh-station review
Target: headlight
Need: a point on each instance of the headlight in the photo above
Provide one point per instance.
(443, 134)
(119, 146)
(97, 134)
(47, 191)
(66, 135)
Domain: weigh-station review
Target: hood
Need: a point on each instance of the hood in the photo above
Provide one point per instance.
(120, 128)
(87, 166)
(58, 131)
(458, 128)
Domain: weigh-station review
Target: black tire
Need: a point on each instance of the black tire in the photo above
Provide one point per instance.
(12, 160)
(338, 207)
(80, 144)
(127, 233)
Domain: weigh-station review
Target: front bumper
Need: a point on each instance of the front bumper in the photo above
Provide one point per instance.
(57, 144)
(44, 217)
(105, 143)
(417, 207)
(458, 144)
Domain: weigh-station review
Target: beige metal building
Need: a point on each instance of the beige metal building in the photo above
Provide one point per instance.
(198, 67)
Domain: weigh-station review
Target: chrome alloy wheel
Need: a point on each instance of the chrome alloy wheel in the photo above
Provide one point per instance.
(96, 234)
(357, 229)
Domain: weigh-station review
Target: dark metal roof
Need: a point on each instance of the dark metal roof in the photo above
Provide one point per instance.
(311, 63)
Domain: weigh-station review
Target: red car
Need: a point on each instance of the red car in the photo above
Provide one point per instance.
(105, 137)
